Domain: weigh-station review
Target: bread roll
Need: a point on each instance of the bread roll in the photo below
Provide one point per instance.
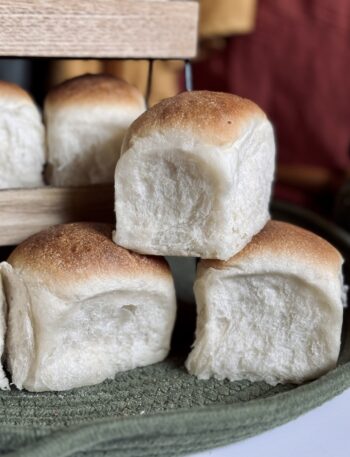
(82, 309)
(271, 313)
(86, 119)
(22, 141)
(195, 175)
(4, 384)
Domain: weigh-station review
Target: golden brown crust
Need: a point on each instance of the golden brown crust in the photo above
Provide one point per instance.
(77, 251)
(286, 239)
(91, 89)
(215, 117)
(8, 89)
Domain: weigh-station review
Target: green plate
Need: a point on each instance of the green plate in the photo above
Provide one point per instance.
(160, 410)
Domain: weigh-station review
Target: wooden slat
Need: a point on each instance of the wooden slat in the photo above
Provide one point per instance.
(27, 211)
(104, 28)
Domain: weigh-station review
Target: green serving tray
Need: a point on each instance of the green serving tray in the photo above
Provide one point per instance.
(161, 410)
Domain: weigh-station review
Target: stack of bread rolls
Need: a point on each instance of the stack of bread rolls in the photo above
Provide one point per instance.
(193, 179)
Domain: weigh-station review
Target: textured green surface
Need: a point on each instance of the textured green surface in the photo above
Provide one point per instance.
(154, 389)
(160, 410)
(232, 414)
(163, 387)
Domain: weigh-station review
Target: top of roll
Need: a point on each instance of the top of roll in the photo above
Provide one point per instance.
(78, 251)
(281, 238)
(91, 89)
(13, 91)
(214, 117)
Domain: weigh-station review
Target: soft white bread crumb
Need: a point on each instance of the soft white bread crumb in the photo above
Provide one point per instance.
(195, 175)
(271, 313)
(4, 384)
(82, 309)
(22, 139)
(86, 119)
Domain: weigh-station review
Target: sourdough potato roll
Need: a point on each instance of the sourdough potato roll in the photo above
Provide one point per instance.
(82, 309)
(86, 119)
(22, 139)
(271, 313)
(195, 175)
(4, 384)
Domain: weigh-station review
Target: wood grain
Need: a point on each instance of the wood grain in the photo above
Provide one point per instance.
(27, 211)
(105, 28)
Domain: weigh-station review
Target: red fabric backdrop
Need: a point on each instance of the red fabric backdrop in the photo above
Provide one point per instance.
(296, 66)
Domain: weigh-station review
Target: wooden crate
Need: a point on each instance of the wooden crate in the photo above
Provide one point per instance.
(27, 211)
(99, 29)
(162, 29)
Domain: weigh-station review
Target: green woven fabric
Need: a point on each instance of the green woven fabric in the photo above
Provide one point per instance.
(160, 410)
(155, 411)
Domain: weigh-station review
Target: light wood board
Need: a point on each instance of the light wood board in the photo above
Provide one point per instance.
(101, 28)
(27, 211)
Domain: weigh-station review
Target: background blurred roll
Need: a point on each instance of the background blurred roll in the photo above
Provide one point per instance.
(22, 144)
(86, 119)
